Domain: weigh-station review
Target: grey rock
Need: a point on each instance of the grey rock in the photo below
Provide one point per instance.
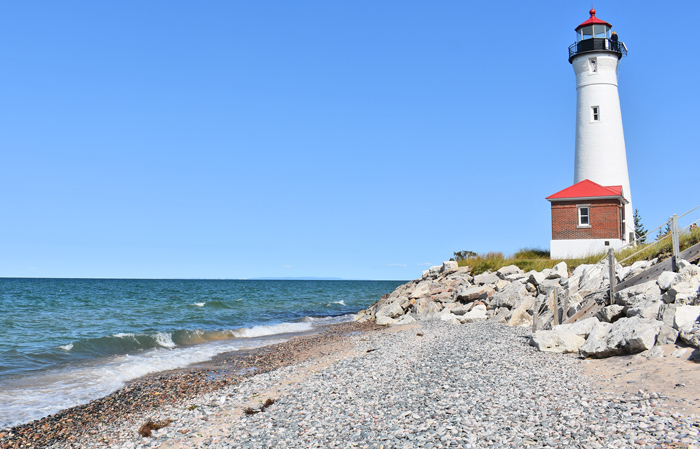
(637, 294)
(581, 328)
(667, 335)
(557, 340)
(611, 313)
(509, 270)
(486, 278)
(449, 267)
(646, 309)
(625, 336)
(474, 293)
(509, 296)
(666, 279)
(536, 278)
(477, 313)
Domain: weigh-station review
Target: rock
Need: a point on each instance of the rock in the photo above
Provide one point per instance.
(477, 313)
(637, 294)
(510, 270)
(559, 271)
(557, 340)
(425, 308)
(682, 293)
(611, 313)
(646, 309)
(581, 328)
(625, 336)
(421, 290)
(665, 280)
(520, 315)
(383, 320)
(391, 310)
(486, 278)
(474, 293)
(426, 273)
(536, 278)
(667, 335)
(594, 277)
(685, 317)
(501, 284)
(623, 273)
(461, 309)
(449, 267)
(448, 316)
(501, 315)
(435, 270)
(509, 296)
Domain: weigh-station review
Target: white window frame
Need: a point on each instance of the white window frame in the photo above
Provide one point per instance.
(587, 215)
(595, 114)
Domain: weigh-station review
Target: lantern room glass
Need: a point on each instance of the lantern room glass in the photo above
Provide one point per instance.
(588, 32)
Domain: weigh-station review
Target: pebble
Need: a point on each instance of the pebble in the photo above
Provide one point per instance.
(471, 386)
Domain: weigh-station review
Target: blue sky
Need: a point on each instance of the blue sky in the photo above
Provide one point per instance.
(352, 139)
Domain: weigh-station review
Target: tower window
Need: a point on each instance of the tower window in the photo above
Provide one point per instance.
(584, 219)
(593, 65)
(595, 113)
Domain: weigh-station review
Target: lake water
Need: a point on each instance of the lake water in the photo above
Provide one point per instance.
(64, 342)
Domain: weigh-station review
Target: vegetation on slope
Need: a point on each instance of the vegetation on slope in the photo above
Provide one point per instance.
(538, 259)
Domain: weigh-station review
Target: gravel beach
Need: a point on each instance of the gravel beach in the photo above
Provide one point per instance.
(430, 384)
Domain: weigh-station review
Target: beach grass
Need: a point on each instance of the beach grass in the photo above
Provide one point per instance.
(538, 259)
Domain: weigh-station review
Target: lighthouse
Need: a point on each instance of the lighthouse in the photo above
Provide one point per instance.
(596, 212)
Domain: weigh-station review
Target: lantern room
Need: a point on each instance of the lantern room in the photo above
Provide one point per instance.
(596, 35)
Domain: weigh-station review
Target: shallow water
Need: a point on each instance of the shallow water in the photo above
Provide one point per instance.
(67, 341)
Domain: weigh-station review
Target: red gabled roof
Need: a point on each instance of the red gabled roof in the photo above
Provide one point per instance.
(593, 20)
(587, 189)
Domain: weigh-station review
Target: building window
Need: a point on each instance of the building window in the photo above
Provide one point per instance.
(595, 113)
(584, 219)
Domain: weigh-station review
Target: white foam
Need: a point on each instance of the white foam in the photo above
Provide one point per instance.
(32, 397)
(67, 347)
(122, 335)
(199, 304)
(282, 328)
(165, 339)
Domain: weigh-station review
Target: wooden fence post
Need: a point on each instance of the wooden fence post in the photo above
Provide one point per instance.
(611, 263)
(676, 242)
(565, 306)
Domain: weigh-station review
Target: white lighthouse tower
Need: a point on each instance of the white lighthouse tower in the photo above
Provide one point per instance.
(600, 141)
(595, 214)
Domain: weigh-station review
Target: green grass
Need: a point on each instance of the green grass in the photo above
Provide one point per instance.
(538, 259)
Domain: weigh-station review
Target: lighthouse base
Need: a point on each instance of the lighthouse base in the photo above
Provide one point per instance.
(577, 249)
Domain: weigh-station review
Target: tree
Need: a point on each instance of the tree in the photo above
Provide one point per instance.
(639, 230)
(663, 232)
(463, 255)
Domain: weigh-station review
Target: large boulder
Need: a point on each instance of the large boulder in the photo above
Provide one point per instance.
(486, 278)
(625, 336)
(474, 293)
(425, 308)
(646, 309)
(509, 296)
(449, 267)
(631, 297)
(582, 328)
(507, 273)
(391, 310)
(477, 313)
(559, 271)
(557, 340)
(666, 279)
(520, 315)
(611, 313)
(536, 278)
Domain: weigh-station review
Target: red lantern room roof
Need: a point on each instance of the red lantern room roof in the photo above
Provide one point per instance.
(593, 20)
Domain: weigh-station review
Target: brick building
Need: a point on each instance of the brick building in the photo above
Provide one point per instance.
(587, 218)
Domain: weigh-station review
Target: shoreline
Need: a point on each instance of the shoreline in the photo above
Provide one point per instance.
(152, 391)
(469, 385)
